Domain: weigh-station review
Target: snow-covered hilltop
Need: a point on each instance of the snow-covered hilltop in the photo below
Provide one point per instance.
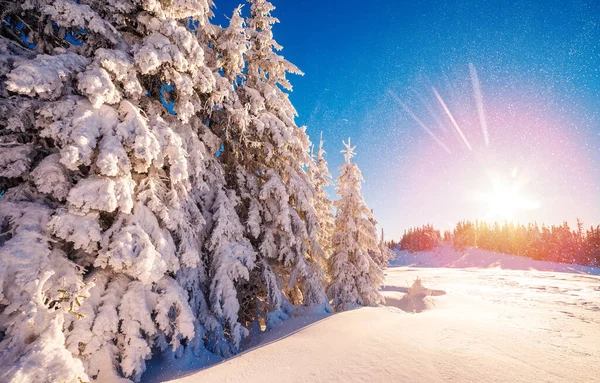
(502, 319)
(446, 256)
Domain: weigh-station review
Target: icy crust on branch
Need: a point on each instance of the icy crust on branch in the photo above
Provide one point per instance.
(33, 276)
(175, 51)
(101, 194)
(45, 77)
(83, 231)
(15, 160)
(111, 71)
(67, 13)
(140, 248)
(51, 177)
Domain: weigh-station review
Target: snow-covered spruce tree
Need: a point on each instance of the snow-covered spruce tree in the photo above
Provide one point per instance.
(108, 195)
(381, 255)
(265, 156)
(356, 277)
(323, 205)
(387, 254)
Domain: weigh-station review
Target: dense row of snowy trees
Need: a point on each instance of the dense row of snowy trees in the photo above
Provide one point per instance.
(420, 239)
(557, 243)
(158, 194)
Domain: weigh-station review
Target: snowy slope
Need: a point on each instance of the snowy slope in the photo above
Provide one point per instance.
(446, 256)
(519, 323)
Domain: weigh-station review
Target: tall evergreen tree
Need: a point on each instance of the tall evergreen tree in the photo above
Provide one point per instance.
(381, 255)
(323, 205)
(112, 187)
(265, 157)
(356, 277)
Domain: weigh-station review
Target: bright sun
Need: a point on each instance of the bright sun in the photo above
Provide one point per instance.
(506, 199)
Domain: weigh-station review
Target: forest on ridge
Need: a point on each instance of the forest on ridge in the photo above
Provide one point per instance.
(546, 243)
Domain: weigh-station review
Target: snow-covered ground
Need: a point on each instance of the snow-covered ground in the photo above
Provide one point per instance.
(487, 317)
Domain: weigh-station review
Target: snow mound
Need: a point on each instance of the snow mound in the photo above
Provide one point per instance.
(415, 300)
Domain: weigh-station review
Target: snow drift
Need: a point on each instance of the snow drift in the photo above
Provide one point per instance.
(517, 321)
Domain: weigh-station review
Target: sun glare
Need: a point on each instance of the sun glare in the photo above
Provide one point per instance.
(507, 199)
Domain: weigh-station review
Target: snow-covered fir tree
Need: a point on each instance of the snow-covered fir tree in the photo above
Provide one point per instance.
(355, 276)
(112, 176)
(323, 205)
(108, 193)
(265, 155)
(382, 254)
(385, 253)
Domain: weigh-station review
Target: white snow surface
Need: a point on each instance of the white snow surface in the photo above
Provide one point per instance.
(480, 317)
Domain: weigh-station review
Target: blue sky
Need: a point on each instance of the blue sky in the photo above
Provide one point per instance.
(538, 64)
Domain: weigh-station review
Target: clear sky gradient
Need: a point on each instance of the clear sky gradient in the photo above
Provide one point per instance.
(371, 69)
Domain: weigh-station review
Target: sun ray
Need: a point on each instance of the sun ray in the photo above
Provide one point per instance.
(454, 123)
(479, 103)
(418, 121)
(432, 112)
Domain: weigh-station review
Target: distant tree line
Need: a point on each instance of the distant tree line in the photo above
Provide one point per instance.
(420, 239)
(557, 243)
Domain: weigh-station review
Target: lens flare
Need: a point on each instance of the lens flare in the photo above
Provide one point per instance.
(526, 160)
